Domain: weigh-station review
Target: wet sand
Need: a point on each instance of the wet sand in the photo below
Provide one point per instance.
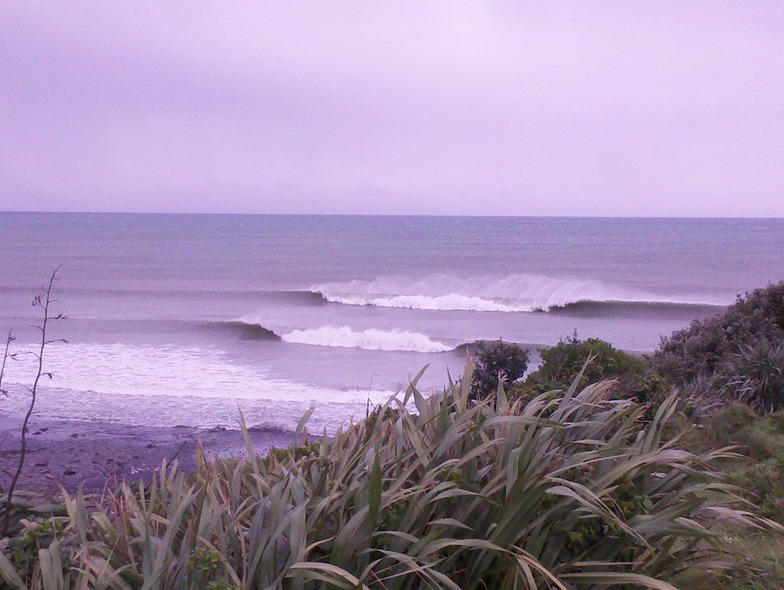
(93, 455)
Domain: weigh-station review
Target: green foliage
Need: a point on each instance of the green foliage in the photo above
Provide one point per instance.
(560, 492)
(560, 363)
(759, 478)
(763, 482)
(755, 375)
(205, 560)
(737, 355)
(729, 426)
(706, 345)
(632, 377)
(495, 359)
(763, 554)
(762, 440)
(28, 507)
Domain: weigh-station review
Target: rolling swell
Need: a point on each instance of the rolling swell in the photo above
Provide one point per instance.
(514, 293)
(307, 297)
(649, 309)
(475, 346)
(247, 331)
(334, 337)
(236, 329)
(345, 337)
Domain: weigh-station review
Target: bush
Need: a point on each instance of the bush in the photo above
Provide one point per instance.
(495, 359)
(760, 476)
(755, 376)
(730, 426)
(761, 553)
(763, 482)
(762, 479)
(561, 364)
(707, 345)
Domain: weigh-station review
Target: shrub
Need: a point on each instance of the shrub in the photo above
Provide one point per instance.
(561, 364)
(706, 345)
(761, 553)
(495, 359)
(760, 478)
(763, 482)
(755, 375)
(730, 426)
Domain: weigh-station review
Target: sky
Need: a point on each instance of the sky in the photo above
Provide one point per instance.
(634, 108)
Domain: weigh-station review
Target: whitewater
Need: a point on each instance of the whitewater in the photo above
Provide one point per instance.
(514, 293)
(192, 319)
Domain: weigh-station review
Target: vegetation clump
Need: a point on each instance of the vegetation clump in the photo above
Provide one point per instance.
(496, 360)
(628, 376)
(560, 363)
(735, 355)
(761, 441)
(571, 492)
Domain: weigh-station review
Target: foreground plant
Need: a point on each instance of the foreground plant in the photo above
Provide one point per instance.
(566, 491)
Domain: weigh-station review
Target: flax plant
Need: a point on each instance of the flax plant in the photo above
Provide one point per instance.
(570, 490)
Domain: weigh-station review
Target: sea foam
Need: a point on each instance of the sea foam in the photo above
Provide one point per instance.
(174, 385)
(372, 339)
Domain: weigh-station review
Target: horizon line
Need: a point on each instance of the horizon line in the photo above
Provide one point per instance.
(455, 215)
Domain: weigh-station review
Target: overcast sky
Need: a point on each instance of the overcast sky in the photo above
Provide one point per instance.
(501, 108)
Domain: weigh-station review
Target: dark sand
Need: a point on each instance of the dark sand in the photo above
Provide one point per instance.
(93, 454)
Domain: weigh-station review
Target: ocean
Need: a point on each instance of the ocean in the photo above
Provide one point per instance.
(191, 319)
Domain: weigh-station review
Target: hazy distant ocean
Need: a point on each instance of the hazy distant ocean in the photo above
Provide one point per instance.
(184, 319)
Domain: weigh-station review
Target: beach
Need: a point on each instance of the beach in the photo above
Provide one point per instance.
(64, 454)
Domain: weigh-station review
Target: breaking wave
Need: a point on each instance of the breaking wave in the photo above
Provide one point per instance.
(245, 330)
(514, 293)
(337, 337)
(372, 339)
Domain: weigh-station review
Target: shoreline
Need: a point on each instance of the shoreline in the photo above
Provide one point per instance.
(94, 455)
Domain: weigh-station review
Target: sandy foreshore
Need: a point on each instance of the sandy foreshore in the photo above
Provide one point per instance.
(92, 455)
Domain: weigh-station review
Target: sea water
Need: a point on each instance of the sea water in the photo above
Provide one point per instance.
(192, 319)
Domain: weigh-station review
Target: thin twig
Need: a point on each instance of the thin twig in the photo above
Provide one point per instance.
(9, 339)
(174, 456)
(42, 300)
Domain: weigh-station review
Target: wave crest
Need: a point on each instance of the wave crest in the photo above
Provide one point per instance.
(451, 302)
(250, 330)
(514, 293)
(372, 339)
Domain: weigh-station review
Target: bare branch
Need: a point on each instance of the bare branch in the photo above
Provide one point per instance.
(9, 339)
(43, 300)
